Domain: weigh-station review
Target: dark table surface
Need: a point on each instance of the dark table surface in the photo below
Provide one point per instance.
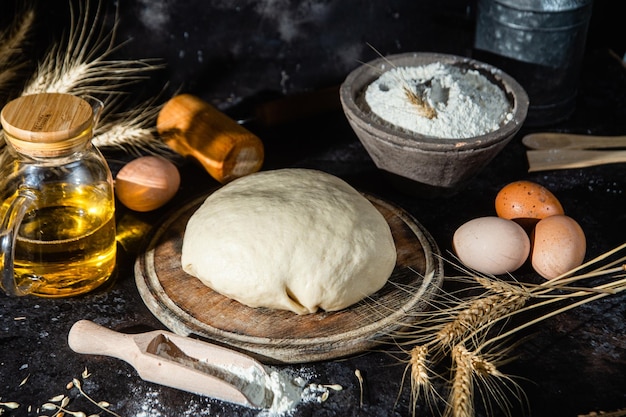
(573, 364)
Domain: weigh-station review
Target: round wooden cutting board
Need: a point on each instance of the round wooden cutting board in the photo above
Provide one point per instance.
(188, 307)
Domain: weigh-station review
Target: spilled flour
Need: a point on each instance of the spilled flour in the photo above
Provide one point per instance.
(466, 103)
(289, 388)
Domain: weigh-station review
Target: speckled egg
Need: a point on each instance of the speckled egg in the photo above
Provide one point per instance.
(558, 245)
(491, 245)
(147, 183)
(526, 202)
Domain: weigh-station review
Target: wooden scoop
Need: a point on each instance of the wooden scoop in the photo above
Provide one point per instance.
(179, 362)
(548, 159)
(194, 128)
(571, 141)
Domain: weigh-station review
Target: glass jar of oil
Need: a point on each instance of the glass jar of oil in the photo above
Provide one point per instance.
(57, 223)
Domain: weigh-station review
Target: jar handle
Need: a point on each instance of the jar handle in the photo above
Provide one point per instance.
(97, 106)
(10, 226)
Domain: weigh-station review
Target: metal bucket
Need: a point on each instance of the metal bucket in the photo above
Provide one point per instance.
(541, 43)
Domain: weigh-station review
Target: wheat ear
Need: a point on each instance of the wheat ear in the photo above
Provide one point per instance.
(133, 131)
(422, 107)
(11, 42)
(82, 67)
(468, 320)
(467, 368)
(585, 297)
(420, 376)
(477, 312)
(492, 385)
(461, 402)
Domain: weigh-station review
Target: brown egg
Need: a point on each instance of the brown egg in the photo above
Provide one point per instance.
(147, 183)
(558, 245)
(526, 202)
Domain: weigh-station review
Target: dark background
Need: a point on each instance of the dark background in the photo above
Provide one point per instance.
(231, 51)
(236, 54)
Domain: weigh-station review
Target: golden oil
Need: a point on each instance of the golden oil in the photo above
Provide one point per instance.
(66, 242)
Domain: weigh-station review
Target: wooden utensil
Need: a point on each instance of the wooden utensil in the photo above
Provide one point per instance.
(194, 128)
(547, 140)
(548, 159)
(179, 362)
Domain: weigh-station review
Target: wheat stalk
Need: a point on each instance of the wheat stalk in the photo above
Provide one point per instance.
(133, 131)
(420, 375)
(461, 402)
(11, 48)
(478, 322)
(616, 287)
(423, 108)
(130, 136)
(485, 377)
(81, 66)
(419, 369)
(570, 276)
(499, 286)
(477, 313)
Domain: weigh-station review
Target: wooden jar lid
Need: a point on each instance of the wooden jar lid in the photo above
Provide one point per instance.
(47, 123)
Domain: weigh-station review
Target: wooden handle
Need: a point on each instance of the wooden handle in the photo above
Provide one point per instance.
(571, 141)
(90, 338)
(194, 128)
(542, 160)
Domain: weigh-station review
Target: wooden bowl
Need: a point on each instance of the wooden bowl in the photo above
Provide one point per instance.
(419, 164)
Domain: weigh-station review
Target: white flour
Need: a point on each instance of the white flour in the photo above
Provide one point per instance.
(466, 103)
(290, 388)
(287, 389)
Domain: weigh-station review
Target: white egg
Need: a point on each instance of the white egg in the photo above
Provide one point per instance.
(491, 245)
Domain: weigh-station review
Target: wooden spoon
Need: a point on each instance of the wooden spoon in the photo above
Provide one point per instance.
(571, 141)
(547, 159)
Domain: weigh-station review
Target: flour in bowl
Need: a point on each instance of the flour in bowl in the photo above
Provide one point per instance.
(465, 102)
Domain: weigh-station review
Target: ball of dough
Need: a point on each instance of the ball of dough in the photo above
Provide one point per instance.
(289, 239)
